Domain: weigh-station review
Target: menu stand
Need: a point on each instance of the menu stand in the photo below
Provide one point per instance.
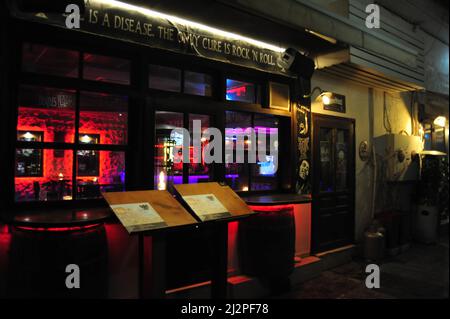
(172, 216)
(155, 213)
(235, 209)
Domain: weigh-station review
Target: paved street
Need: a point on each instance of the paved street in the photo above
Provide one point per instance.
(421, 272)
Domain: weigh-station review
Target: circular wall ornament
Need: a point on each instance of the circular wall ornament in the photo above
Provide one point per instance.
(364, 152)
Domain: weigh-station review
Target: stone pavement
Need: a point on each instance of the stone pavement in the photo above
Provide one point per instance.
(421, 272)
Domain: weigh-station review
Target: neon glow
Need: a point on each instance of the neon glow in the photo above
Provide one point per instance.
(203, 27)
(58, 229)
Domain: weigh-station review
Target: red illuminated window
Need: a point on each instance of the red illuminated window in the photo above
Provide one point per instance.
(47, 110)
(53, 160)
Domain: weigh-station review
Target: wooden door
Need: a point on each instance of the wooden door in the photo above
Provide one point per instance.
(333, 218)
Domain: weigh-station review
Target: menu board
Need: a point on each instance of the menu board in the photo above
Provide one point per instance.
(210, 201)
(138, 216)
(148, 210)
(206, 206)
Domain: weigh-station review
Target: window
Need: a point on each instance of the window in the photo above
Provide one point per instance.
(47, 110)
(199, 170)
(88, 162)
(264, 171)
(168, 161)
(43, 174)
(242, 92)
(106, 69)
(53, 160)
(197, 83)
(241, 173)
(164, 78)
(105, 116)
(166, 171)
(48, 115)
(236, 170)
(28, 162)
(42, 59)
(99, 171)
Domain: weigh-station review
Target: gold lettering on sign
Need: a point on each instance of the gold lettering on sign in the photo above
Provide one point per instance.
(106, 20)
(212, 45)
(240, 52)
(190, 39)
(165, 33)
(93, 16)
(202, 43)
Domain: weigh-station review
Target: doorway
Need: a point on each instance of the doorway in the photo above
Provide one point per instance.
(333, 218)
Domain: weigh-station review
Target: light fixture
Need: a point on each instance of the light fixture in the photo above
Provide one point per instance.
(85, 139)
(440, 121)
(174, 19)
(245, 188)
(325, 99)
(60, 176)
(161, 181)
(324, 96)
(28, 136)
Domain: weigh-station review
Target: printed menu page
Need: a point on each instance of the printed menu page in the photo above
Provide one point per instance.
(206, 206)
(137, 217)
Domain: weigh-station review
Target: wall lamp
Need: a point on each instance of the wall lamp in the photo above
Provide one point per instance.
(440, 121)
(325, 96)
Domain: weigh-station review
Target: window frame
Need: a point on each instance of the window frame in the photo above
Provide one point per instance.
(143, 101)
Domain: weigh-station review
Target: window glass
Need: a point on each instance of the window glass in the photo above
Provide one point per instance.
(264, 172)
(164, 78)
(99, 171)
(43, 59)
(326, 169)
(197, 83)
(47, 112)
(199, 171)
(43, 174)
(241, 91)
(341, 159)
(103, 116)
(106, 69)
(166, 170)
(236, 167)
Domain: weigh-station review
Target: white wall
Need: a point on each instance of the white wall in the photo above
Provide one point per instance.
(363, 104)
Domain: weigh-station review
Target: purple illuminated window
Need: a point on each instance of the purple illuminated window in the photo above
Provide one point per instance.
(246, 176)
